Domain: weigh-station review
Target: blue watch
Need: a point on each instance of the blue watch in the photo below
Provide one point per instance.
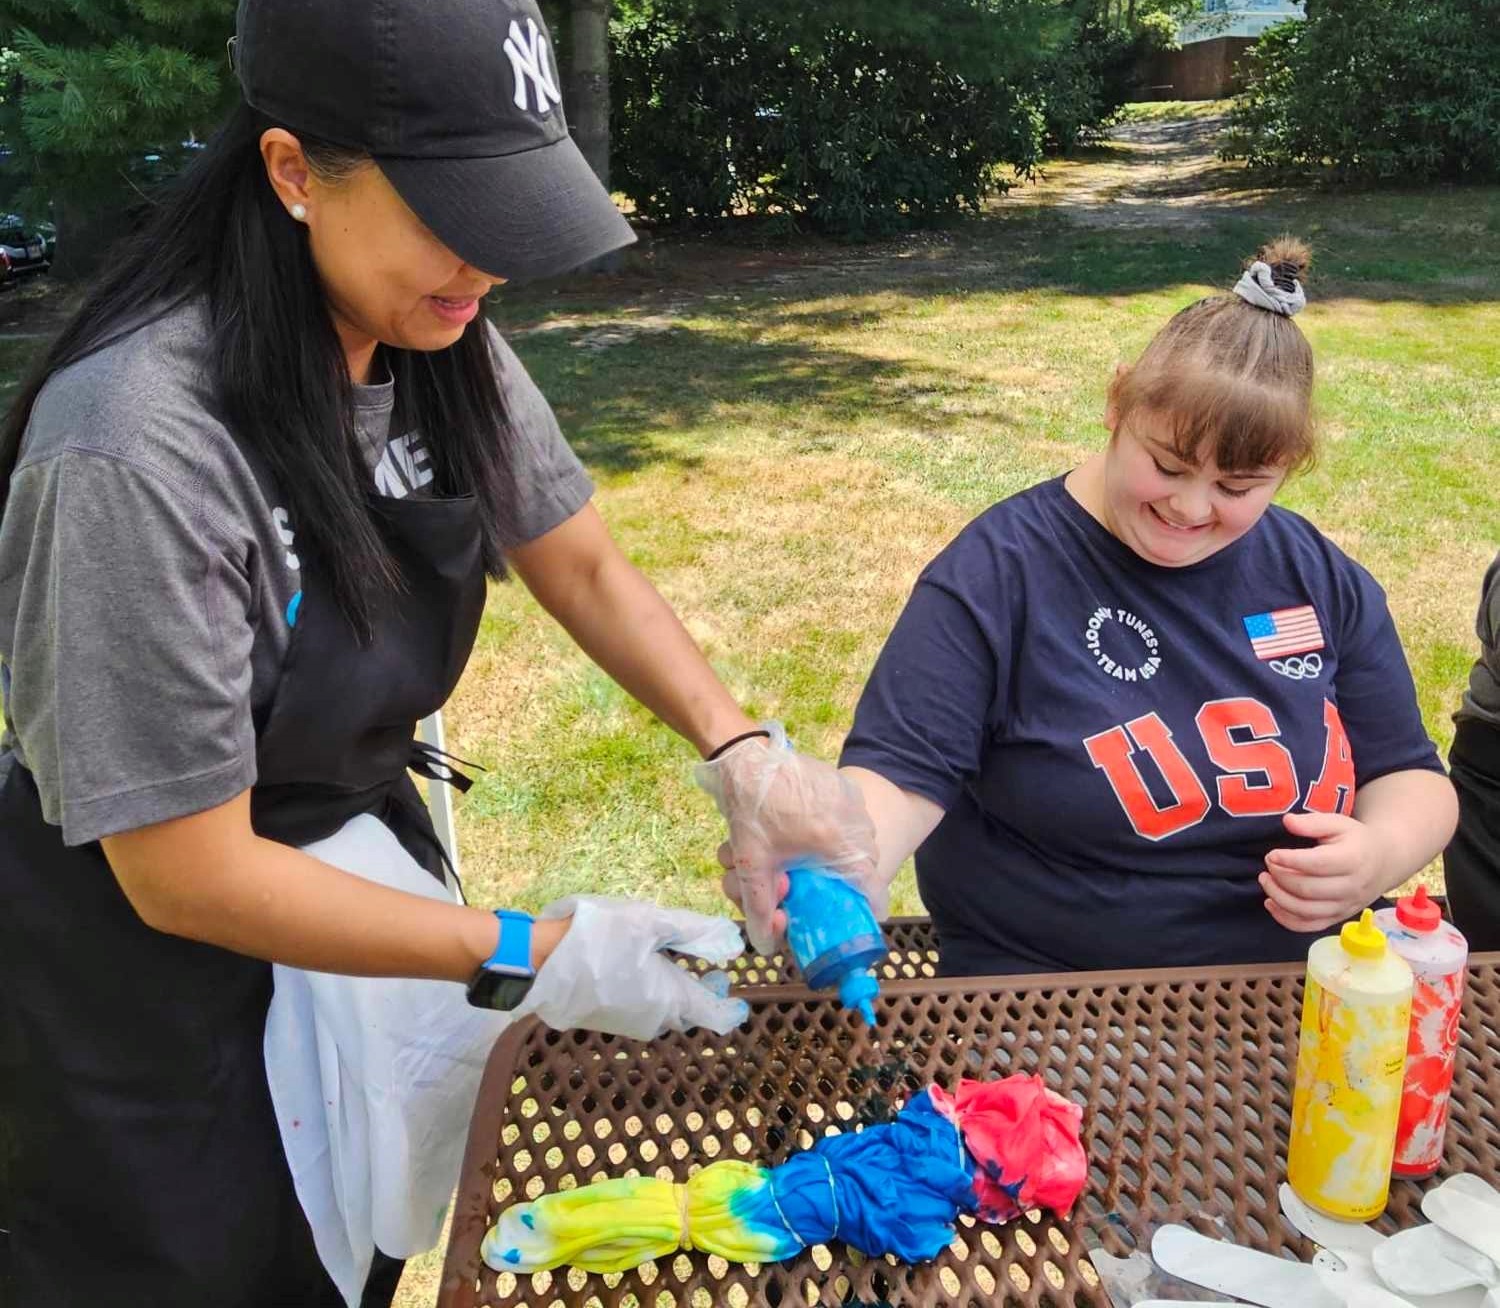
(504, 978)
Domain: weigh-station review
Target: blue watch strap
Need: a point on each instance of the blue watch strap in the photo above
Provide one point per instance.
(512, 954)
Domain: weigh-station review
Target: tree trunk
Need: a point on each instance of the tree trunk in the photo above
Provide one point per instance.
(588, 82)
(589, 112)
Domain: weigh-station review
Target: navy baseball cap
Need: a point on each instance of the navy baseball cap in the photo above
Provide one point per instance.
(457, 101)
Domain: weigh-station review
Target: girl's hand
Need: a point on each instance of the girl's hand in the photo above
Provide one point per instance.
(1314, 889)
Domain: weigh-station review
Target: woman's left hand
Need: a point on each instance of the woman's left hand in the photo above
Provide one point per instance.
(784, 808)
(1316, 888)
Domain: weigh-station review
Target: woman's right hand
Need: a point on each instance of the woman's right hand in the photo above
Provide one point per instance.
(209, 877)
(605, 968)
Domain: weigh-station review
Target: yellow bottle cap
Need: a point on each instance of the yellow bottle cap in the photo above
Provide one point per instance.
(1363, 939)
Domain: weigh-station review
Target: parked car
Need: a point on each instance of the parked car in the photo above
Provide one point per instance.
(163, 163)
(25, 247)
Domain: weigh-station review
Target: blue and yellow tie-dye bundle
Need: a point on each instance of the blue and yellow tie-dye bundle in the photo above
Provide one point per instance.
(893, 1188)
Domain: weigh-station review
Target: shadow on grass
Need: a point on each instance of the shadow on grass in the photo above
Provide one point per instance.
(680, 362)
(649, 399)
(1429, 246)
(1174, 138)
(1433, 247)
(15, 360)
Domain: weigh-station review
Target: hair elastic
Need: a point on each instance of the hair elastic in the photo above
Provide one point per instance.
(1258, 285)
(735, 740)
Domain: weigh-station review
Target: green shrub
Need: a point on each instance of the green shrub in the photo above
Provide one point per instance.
(1376, 90)
(1091, 78)
(97, 94)
(851, 117)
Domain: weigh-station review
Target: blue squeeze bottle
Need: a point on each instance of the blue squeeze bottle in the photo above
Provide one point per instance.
(834, 937)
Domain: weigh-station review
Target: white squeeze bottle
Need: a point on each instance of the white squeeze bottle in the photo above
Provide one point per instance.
(1356, 1011)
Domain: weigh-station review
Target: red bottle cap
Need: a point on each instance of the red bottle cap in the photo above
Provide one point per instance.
(1417, 912)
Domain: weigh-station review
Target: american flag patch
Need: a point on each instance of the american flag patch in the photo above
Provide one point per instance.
(1283, 632)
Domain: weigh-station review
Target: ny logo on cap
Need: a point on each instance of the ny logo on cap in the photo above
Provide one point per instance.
(528, 60)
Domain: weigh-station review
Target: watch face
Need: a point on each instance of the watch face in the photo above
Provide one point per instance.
(498, 991)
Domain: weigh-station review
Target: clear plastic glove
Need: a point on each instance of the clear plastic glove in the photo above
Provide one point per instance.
(784, 809)
(608, 973)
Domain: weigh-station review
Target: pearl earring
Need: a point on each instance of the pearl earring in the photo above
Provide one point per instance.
(299, 212)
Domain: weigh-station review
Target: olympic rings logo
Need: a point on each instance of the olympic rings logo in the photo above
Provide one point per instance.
(1299, 669)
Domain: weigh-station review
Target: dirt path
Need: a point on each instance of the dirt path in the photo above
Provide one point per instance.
(1156, 173)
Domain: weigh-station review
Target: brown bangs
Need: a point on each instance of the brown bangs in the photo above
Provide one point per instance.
(1239, 421)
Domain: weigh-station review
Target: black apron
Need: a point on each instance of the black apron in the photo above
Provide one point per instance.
(150, 1171)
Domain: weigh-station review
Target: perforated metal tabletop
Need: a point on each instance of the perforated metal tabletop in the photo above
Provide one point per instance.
(913, 956)
(1185, 1077)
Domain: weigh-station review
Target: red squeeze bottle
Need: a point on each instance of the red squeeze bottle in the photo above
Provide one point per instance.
(1437, 953)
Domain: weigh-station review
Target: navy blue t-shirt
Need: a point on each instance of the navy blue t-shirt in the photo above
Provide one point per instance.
(1114, 743)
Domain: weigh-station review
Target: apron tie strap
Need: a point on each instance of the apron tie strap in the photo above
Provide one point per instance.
(437, 765)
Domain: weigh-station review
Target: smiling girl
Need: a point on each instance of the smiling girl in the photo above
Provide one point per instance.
(1138, 715)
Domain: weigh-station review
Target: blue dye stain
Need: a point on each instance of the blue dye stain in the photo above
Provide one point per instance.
(528, 1221)
(512, 1255)
(293, 608)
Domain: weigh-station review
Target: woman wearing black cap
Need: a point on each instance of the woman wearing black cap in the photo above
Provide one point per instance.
(250, 499)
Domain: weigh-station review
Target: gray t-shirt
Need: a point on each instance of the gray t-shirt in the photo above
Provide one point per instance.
(148, 587)
(1482, 699)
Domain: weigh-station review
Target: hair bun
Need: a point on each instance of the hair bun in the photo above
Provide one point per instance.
(1288, 258)
(1273, 281)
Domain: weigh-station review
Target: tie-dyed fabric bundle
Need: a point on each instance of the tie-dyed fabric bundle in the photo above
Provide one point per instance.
(991, 1149)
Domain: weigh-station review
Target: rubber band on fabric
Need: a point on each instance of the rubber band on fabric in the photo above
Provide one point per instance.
(736, 740)
(680, 1193)
(781, 1212)
(833, 1194)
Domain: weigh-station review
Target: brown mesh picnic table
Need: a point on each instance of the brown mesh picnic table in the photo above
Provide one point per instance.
(1185, 1076)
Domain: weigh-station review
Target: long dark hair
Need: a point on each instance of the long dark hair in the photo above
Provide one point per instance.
(220, 233)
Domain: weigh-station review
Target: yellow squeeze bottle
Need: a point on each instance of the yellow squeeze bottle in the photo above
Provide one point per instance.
(1356, 1008)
